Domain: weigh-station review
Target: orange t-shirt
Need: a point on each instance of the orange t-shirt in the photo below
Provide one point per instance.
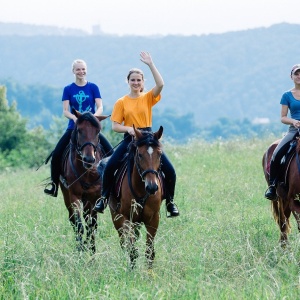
(135, 111)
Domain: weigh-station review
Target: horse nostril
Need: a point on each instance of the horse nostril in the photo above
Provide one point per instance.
(151, 188)
(89, 159)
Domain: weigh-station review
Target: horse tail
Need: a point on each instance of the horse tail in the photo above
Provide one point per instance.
(276, 211)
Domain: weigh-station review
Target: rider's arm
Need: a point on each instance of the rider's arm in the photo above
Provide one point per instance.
(285, 119)
(117, 127)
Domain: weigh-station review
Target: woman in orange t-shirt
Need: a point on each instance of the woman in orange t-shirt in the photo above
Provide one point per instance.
(135, 109)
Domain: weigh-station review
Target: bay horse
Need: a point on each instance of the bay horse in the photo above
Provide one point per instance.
(80, 181)
(288, 190)
(140, 194)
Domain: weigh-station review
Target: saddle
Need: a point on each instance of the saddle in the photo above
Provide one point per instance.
(285, 163)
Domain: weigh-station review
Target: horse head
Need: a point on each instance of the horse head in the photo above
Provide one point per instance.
(85, 137)
(148, 157)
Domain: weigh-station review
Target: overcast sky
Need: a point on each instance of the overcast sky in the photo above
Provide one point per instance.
(148, 17)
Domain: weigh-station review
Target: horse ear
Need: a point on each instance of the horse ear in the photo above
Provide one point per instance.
(138, 133)
(101, 118)
(76, 113)
(159, 132)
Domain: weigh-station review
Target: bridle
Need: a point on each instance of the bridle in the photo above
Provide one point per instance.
(141, 172)
(79, 148)
(146, 140)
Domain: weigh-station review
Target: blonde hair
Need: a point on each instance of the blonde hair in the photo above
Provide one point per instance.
(78, 61)
(137, 71)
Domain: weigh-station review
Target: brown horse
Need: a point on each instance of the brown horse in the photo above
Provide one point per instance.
(80, 182)
(288, 191)
(140, 195)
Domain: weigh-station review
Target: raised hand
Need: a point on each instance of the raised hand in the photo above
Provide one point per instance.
(146, 58)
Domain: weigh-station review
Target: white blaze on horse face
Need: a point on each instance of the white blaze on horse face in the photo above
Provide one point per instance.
(150, 151)
(147, 182)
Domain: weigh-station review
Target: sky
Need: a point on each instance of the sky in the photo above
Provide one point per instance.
(153, 17)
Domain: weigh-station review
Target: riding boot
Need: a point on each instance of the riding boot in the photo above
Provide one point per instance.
(271, 191)
(171, 208)
(101, 204)
(51, 189)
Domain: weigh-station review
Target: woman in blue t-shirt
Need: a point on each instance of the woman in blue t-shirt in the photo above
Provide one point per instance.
(83, 96)
(290, 101)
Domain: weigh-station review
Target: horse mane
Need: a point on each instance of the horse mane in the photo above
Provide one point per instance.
(86, 116)
(148, 139)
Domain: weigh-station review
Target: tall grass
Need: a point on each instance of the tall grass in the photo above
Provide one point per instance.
(224, 244)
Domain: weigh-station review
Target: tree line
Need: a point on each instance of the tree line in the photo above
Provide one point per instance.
(22, 146)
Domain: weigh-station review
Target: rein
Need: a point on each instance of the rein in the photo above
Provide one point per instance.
(297, 154)
(79, 149)
(140, 200)
(79, 152)
(106, 154)
(84, 185)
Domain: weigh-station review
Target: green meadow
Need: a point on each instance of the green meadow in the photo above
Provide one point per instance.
(224, 244)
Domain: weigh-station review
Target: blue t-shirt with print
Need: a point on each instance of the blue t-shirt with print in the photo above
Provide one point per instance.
(292, 103)
(81, 98)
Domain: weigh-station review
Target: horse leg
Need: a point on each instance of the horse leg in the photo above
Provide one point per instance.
(90, 218)
(76, 222)
(73, 207)
(297, 218)
(150, 252)
(127, 234)
(151, 232)
(283, 216)
(131, 248)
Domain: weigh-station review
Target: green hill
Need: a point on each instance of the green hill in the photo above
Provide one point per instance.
(235, 75)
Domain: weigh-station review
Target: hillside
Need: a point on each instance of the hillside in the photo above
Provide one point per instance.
(235, 75)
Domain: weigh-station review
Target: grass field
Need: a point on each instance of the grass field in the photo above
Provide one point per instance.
(224, 245)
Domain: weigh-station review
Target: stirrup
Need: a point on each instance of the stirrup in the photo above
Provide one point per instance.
(171, 209)
(51, 189)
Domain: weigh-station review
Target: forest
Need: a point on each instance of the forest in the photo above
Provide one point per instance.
(235, 75)
(217, 86)
(18, 141)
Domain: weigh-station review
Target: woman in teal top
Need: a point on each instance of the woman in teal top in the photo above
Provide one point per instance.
(290, 101)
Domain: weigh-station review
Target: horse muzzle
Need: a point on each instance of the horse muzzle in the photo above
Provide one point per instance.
(88, 161)
(151, 187)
